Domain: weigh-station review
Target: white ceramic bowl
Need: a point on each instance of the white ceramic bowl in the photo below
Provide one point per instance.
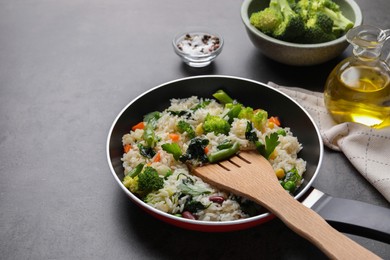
(294, 53)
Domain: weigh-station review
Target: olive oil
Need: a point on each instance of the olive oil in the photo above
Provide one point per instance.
(359, 94)
(358, 88)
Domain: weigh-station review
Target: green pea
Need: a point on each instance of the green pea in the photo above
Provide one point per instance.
(289, 185)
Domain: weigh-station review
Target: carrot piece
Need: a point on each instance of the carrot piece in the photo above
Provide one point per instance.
(157, 157)
(206, 150)
(174, 137)
(127, 148)
(140, 125)
(275, 120)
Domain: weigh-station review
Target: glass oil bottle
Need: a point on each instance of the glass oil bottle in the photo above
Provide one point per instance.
(358, 88)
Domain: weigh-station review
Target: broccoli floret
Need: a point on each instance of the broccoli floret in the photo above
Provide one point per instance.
(257, 117)
(183, 126)
(279, 20)
(267, 20)
(302, 8)
(246, 113)
(144, 182)
(332, 10)
(149, 180)
(341, 24)
(323, 20)
(292, 25)
(131, 183)
(216, 124)
(319, 28)
(319, 4)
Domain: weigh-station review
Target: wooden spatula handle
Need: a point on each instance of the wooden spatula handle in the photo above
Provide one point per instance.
(250, 175)
(311, 226)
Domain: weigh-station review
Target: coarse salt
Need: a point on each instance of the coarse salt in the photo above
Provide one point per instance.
(199, 44)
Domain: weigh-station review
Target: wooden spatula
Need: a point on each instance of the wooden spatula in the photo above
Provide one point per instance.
(250, 175)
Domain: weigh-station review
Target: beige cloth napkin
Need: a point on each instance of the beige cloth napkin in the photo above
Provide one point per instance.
(366, 148)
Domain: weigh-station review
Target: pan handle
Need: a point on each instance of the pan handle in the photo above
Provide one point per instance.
(351, 216)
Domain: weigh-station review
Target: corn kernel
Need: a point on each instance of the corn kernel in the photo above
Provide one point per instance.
(271, 125)
(273, 155)
(199, 129)
(280, 173)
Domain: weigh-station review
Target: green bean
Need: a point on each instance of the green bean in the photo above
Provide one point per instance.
(149, 135)
(223, 154)
(223, 97)
(136, 170)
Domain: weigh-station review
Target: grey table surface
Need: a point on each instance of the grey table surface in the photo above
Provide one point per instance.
(66, 70)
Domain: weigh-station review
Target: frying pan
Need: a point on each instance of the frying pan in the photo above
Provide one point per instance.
(346, 215)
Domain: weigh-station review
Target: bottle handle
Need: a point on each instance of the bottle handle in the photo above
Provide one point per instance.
(385, 34)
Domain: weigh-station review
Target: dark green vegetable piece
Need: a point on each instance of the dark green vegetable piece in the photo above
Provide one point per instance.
(249, 207)
(188, 113)
(195, 150)
(172, 148)
(149, 180)
(250, 135)
(181, 113)
(224, 153)
(193, 206)
(146, 151)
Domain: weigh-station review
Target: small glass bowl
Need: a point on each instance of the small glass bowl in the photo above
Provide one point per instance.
(197, 48)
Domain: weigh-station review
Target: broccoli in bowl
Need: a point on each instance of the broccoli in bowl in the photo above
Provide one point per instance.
(302, 21)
